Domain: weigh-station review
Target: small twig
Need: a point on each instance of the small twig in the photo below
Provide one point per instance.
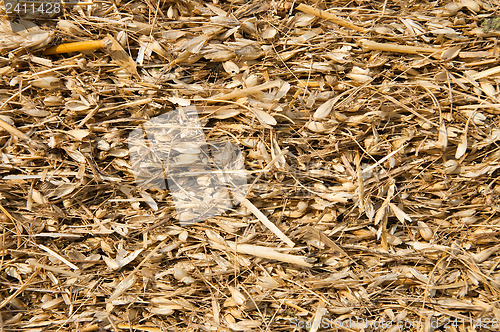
(14, 96)
(51, 70)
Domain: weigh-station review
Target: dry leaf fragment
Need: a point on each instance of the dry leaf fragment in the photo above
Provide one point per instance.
(359, 78)
(122, 287)
(182, 275)
(48, 82)
(120, 56)
(75, 155)
(111, 263)
(179, 101)
(76, 106)
(485, 254)
(216, 10)
(246, 92)
(70, 28)
(318, 317)
(237, 296)
(282, 91)
(268, 282)
(450, 166)
(226, 113)
(231, 68)
(52, 304)
(452, 8)
(12, 272)
(400, 214)
(462, 147)
(25, 34)
(53, 101)
(264, 117)
(425, 231)
(329, 16)
(120, 153)
(35, 112)
(324, 109)
(124, 258)
(13, 130)
(249, 52)
(304, 20)
(269, 33)
(450, 53)
(488, 89)
(419, 276)
(194, 45)
(470, 4)
(161, 310)
(163, 306)
(245, 325)
(380, 214)
(315, 126)
(217, 52)
(442, 141)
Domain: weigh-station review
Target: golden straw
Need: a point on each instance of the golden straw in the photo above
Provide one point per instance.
(91, 45)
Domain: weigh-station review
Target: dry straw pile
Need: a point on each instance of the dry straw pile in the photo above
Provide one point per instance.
(370, 133)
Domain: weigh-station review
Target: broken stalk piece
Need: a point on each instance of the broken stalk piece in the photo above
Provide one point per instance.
(329, 16)
(369, 45)
(83, 46)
